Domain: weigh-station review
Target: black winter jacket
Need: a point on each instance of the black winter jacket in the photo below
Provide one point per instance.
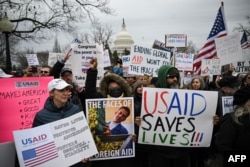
(233, 136)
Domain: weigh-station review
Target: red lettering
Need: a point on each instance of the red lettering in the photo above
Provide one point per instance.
(156, 102)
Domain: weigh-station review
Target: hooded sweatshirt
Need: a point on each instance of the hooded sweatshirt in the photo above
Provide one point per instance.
(163, 72)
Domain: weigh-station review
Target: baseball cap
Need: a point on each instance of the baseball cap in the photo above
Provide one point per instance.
(4, 75)
(58, 84)
(65, 70)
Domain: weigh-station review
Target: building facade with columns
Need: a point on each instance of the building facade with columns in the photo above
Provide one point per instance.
(122, 41)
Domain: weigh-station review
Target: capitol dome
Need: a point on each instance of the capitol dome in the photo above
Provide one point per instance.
(123, 41)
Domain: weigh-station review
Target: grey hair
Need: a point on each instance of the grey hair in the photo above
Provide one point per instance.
(240, 111)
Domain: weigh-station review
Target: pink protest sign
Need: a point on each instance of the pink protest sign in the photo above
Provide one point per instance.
(20, 100)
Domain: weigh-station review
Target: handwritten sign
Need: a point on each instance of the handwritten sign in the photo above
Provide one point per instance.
(100, 113)
(181, 118)
(184, 61)
(228, 48)
(82, 54)
(125, 65)
(66, 142)
(20, 100)
(145, 60)
(106, 58)
(32, 59)
(176, 40)
(210, 67)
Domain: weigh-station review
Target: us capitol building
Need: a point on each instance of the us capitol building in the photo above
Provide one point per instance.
(123, 41)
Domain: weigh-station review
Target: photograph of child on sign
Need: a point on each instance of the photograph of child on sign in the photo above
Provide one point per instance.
(111, 123)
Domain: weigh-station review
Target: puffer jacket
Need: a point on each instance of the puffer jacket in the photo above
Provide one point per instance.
(51, 113)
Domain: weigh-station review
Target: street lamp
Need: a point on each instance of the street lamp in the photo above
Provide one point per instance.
(7, 27)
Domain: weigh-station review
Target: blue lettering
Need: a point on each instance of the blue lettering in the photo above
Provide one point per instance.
(192, 113)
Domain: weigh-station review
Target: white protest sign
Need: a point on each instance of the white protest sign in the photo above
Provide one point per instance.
(227, 104)
(72, 44)
(125, 65)
(106, 58)
(184, 61)
(145, 60)
(229, 49)
(181, 118)
(176, 40)
(81, 56)
(32, 59)
(210, 67)
(60, 143)
(54, 57)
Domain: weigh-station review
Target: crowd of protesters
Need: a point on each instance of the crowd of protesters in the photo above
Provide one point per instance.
(230, 132)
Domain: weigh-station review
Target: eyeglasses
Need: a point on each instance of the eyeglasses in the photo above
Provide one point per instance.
(45, 72)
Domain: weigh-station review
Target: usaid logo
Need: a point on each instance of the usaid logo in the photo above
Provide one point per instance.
(27, 84)
(32, 140)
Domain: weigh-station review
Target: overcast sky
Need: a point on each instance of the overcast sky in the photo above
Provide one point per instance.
(148, 20)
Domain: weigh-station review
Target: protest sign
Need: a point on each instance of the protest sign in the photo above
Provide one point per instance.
(20, 100)
(32, 59)
(210, 67)
(125, 65)
(60, 143)
(100, 114)
(180, 118)
(184, 61)
(176, 40)
(227, 104)
(81, 56)
(229, 49)
(147, 61)
(106, 58)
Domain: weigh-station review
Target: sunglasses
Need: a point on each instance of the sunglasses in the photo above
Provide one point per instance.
(45, 72)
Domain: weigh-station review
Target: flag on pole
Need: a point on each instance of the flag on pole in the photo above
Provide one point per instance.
(208, 51)
(244, 42)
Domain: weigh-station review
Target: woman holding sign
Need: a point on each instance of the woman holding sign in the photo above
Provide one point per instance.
(57, 106)
(111, 86)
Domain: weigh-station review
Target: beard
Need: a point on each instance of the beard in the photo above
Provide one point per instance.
(174, 85)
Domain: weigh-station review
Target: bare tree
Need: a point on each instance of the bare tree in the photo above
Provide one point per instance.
(101, 33)
(242, 28)
(32, 18)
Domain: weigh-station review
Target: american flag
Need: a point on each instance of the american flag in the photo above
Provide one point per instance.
(39, 155)
(208, 51)
(244, 42)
